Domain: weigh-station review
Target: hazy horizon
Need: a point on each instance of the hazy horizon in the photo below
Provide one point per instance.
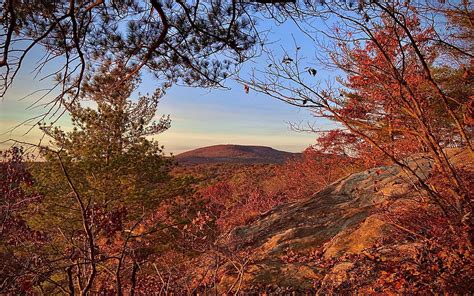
(199, 117)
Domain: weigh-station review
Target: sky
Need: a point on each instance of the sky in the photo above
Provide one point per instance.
(199, 117)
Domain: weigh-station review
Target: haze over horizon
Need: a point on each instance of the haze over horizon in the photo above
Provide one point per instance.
(199, 117)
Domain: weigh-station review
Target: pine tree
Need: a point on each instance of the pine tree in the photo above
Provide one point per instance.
(102, 182)
(109, 146)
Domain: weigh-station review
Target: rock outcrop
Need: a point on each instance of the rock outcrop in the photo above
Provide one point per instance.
(342, 219)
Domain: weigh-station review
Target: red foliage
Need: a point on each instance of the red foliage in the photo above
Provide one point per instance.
(235, 203)
(388, 95)
(17, 239)
(244, 195)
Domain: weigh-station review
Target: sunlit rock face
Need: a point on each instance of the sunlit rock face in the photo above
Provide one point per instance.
(342, 219)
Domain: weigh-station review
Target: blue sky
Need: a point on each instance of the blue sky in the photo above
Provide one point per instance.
(200, 117)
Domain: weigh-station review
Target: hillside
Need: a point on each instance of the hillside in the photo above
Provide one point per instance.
(234, 154)
(309, 245)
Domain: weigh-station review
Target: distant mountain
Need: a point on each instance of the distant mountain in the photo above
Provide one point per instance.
(234, 154)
